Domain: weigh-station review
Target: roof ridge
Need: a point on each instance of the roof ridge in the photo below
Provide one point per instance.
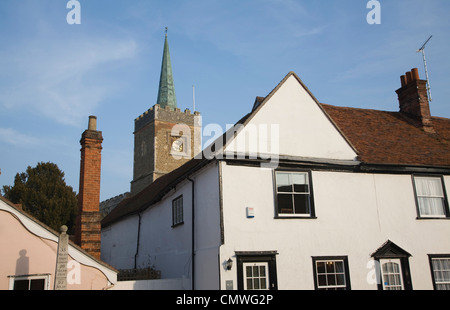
(356, 108)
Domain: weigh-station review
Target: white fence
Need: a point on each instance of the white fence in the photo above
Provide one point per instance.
(161, 284)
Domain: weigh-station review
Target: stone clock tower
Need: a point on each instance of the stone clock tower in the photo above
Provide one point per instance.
(164, 137)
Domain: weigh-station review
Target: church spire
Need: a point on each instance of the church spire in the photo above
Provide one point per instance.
(166, 92)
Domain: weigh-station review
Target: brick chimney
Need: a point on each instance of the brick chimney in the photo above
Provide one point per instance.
(88, 229)
(413, 99)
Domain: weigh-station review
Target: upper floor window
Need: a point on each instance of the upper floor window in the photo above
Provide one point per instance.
(293, 194)
(431, 200)
(177, 211)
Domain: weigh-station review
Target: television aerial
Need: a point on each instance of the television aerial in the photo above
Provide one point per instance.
(422, 50)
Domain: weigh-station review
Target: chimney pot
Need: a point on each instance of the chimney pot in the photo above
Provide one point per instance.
(92, 123)
(408, 77)
(403, 80)
(415, 74)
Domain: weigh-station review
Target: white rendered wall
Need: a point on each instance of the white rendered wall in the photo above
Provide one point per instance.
(166, 248)
(304, 129)
(207, 224)
(118, 245)
(356, 214)
(162, 246)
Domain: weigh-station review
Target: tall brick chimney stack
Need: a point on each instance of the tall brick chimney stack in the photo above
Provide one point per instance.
(413, 99)
(88, 230)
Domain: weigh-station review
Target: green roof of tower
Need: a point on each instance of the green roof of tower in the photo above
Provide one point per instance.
(166, 92)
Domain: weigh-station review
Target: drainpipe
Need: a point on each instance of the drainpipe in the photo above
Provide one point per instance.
(137, 241)
(193, 235)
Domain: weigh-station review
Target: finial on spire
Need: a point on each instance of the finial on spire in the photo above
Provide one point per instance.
(166, 30)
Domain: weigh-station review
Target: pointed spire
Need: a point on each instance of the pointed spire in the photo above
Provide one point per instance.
(166, 92)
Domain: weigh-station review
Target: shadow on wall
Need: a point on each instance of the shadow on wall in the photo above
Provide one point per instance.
(22, 263)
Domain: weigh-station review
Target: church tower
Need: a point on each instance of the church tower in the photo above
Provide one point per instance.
(164, 137)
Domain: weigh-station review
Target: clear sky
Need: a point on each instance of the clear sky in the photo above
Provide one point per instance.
(54, 75)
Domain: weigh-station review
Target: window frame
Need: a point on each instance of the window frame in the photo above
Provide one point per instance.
(259, 278)
(312, 212)
(45, 277)
(416, 197)
(177, 217)
(436, 256)
(343, 259)
(384, 285)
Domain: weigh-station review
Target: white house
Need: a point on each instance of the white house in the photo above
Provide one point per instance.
(301, 195)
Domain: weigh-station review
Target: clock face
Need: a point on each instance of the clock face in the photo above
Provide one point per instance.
(177, 146)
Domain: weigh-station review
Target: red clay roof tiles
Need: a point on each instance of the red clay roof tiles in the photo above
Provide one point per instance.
(382, 137)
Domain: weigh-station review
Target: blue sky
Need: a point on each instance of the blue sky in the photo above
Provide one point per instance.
(54, 75)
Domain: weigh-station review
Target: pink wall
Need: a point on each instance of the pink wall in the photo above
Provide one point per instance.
(24, 253)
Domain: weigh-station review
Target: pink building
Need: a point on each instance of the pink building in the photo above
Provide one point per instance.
(28, 259)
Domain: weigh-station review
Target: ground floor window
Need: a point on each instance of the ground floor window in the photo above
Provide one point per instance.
(29, 283)
(331, 273)
(440, 268)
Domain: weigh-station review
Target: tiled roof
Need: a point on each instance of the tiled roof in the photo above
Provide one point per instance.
(379, 137)
(152, 193)
(382, 137)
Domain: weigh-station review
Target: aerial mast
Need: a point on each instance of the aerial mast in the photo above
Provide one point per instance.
(422, 50)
